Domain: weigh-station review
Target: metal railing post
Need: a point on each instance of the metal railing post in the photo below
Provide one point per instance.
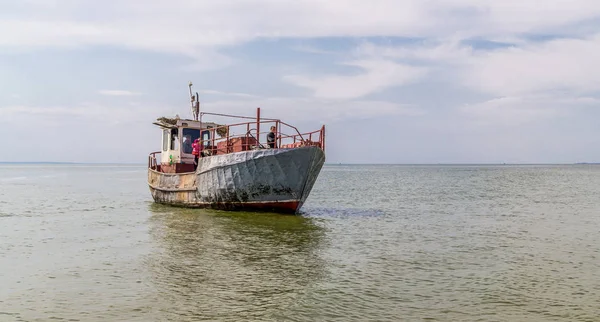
(247, 138)
(258, 125)
(212, 143)
(323, 137)
(278, 127)
(227, 138)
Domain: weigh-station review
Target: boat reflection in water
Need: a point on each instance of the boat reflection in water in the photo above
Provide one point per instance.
(221, 265)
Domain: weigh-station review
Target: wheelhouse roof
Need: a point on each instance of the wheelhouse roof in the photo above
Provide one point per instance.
(167, 123)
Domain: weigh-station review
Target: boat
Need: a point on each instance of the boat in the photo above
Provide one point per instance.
(238, 167)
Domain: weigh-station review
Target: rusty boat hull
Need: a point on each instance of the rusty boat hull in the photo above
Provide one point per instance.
(277, 180)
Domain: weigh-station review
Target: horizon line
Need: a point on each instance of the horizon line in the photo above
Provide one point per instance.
(327, 163)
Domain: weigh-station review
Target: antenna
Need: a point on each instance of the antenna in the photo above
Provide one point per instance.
(197, 107)
(195, 101)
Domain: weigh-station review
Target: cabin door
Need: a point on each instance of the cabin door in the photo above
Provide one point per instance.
(188, 136)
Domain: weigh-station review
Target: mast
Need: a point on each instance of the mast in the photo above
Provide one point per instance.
(195, 101)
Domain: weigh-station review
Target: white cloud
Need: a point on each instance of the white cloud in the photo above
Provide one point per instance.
(528, 68)
(290, 109)
(378, 75)
(562, 64)
(220, 93)
(520, 110)
(84, 112)
(35, 110)
(200, 30)
(502, 18)
(313, 50)
(54, 33)
(448, 51)
(310, 109)
(508, 111)
(118, 93)
(187, 26)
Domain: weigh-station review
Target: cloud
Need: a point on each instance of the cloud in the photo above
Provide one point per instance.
(521, 110)
(203, 30)
(510, 111)
(118, 93)
(189, 27)
(293, 109)
(501, 18)
(446, 51)
(28, 110)
(525, 68)
(188, 24)
(312, 109)
(561, 64)
(82, 112)
(53, 33)
(313, 50)
(378, 75)
(220, 93)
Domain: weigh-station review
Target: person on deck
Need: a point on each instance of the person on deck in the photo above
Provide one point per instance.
(196, 152)
(187, 144)
(271, 137)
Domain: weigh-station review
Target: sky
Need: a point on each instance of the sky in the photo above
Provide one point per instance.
(394, 81)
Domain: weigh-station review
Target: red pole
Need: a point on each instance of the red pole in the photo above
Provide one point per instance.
(323, 137)
(258, 125)
(227, 140)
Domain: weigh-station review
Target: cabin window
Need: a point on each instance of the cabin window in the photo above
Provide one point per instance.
(205, 138)
(189, 135)
(165, 140)
(174, 139)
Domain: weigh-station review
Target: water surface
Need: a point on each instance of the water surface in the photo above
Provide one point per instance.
(374, 243)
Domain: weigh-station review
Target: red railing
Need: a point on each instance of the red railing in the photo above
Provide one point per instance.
(248, 135)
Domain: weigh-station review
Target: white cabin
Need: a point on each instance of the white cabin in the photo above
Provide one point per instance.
(177, 139)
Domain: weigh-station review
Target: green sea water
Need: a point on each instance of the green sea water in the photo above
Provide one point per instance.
(373, 243)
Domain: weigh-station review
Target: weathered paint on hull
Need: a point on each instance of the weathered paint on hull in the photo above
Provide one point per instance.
(173, 189)
(271, 179)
